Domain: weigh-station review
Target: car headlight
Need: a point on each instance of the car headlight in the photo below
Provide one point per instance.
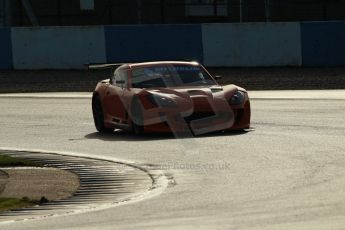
(161, 101)
(237, 98)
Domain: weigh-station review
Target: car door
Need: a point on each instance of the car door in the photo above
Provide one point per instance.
(113, 99)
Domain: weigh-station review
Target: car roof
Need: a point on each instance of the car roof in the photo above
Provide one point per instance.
(154, 63)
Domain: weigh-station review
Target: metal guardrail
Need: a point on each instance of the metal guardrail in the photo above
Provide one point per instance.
(2, 13)
(106, 12)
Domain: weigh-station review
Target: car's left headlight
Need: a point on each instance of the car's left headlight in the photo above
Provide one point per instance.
(237, 98)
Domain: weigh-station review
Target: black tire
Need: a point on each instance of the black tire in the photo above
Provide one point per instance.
(137, 118)
(98, 115)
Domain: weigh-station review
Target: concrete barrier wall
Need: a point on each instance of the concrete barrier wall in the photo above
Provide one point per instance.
(255, 44)
(153, 42)
(57, 48)
(5, 49)
(323, 43)
(228, 45)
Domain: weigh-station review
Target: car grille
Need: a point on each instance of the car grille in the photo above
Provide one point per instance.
(198, 115)
(202, 109)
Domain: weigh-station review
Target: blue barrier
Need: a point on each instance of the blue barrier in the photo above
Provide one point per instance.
(57, 47)
(248, 44)
(252, 44)
(323, 43)
(5, 49)
(153, 42)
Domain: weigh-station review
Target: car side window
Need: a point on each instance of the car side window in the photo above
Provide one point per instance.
(113, 77)
(120, 77)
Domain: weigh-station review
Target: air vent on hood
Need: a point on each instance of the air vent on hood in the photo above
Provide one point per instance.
(216, 89)
(195, 92)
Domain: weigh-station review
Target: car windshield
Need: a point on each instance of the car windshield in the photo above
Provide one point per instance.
(170, 76)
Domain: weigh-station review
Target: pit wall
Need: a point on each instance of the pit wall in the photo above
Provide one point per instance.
(214, 45)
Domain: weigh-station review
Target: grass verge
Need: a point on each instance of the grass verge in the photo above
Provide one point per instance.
(15, 203)
(7, 161)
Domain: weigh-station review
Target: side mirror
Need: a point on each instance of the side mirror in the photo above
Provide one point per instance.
(218, 77)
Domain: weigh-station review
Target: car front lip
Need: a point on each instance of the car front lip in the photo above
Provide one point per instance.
(180, 119)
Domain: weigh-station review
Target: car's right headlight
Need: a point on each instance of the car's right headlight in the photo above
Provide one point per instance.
(237, 98)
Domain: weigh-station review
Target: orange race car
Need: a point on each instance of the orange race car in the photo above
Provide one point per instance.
(167, 96)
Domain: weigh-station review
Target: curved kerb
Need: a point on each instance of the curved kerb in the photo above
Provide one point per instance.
(104, 183)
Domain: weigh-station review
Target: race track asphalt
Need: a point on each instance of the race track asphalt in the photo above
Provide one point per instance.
(286, 172)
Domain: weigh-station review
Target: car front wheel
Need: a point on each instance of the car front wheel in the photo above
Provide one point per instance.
(137, 118)
(98, 115)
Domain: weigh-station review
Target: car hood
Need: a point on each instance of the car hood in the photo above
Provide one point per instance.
(213, 91)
